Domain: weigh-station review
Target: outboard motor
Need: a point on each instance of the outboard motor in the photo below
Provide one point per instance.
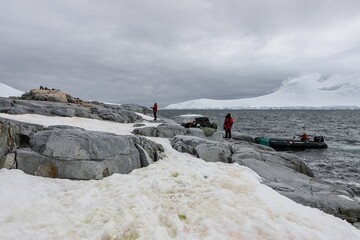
(318, 139)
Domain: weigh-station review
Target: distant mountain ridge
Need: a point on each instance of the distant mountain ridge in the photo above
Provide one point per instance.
(308, 91)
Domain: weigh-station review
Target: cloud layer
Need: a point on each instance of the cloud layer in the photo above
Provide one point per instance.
(166, 51)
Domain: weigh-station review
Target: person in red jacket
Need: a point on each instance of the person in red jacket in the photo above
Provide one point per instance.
(304, 137)
(154, 108)
(228, 125)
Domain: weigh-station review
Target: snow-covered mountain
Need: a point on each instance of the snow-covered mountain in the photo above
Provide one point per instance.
(305, 91)
(7, 91)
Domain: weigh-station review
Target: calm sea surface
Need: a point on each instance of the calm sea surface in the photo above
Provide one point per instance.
(339, 163)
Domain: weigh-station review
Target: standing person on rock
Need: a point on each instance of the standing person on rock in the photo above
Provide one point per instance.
(154, 108)
(228, 125)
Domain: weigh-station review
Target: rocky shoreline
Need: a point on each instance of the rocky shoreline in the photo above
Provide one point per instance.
(75, 153)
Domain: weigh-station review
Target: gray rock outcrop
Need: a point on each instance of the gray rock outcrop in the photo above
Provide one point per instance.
(115, 113)
(136, 108)
(9, 161)
(281, 171)
(242, 137)
(81, 154)
(13, 135)
(197, 132)
(72, 153)
(47, 95)
(165, 130)
(210, 151)
(170, 129)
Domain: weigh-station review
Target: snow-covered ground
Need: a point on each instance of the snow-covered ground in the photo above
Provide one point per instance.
(179, 197)
(7, 91)
(306, 91)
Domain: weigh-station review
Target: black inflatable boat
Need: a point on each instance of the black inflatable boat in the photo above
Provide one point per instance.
(292, 144)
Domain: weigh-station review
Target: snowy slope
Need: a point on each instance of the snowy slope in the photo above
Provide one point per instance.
(7, 91)
(179, 197)
(306, 91)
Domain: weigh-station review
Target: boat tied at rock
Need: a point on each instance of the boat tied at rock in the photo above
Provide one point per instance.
(280, 144)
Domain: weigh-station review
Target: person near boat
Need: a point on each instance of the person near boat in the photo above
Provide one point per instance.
(304, 137)
(228, 125)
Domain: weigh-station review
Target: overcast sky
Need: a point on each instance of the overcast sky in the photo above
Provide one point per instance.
(131, 51)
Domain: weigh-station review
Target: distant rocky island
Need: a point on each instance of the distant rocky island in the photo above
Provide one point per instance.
(75, 153)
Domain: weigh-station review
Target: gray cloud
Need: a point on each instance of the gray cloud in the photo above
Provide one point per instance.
(171, 51)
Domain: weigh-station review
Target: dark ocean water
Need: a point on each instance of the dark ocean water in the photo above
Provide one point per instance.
(340, 163)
